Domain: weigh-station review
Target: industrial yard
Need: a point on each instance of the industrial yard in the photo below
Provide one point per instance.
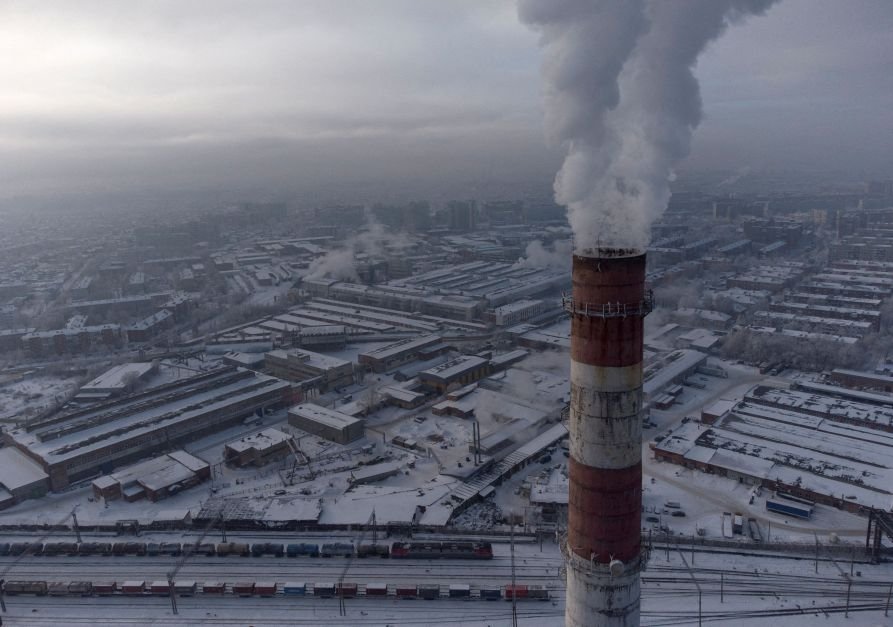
(302, 322)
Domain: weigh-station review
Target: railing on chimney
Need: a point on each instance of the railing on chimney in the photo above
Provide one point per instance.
(609, 310)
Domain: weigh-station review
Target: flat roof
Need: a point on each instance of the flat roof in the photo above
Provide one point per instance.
(880, 378)
(17, 470)
(323, 415)
(129, 418)
(310, 358)
(401, 346)
(454, 367)
(115, 378)
(660, 374)
(261, 440)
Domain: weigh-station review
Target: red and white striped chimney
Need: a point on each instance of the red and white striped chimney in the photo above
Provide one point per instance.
(607, 308)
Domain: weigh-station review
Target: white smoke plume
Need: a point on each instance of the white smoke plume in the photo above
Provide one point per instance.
(341, 263)
(622, 97)
(536, 255)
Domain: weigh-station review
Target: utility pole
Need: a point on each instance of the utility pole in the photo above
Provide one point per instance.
(849, 586)
(187, 553)
(886, 608)
(514, 588)
(694, 579)
(170, 588)
(339, 590)
(74, 520)
(816, 554)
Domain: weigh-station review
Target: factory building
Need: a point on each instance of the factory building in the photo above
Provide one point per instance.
(829, 311)
(319, 371)
(791, 450)
(82, 443)
(396, 354)
(258, 449)
(153, 479)
(116, 381)
(326, 423)
(515, 313)
(461, 370)
(864, 380)
(21, 478)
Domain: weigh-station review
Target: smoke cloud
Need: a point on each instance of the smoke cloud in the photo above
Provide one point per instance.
(622, 98)
(341, 263)
(536, 255)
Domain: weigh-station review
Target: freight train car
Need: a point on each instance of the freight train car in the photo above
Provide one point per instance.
(376, 590)
(259, 549)
(294, 589)
(337, 549)
(324, 590)
(241, 549)
(301, 549)
(81, 588)
(213, 587)
(38, 588)
(429, 591)
(373, 550)
(243, 588)
(445, 550)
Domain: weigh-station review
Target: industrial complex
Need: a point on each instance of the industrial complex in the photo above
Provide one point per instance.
(455, 387)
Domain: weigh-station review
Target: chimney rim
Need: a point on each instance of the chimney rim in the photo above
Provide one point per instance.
(608, 253)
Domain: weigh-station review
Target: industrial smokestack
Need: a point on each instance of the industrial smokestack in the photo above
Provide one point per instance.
(607, 308)
(622, 99)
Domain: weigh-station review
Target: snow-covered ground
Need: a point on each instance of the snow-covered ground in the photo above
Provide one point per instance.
(32, 395)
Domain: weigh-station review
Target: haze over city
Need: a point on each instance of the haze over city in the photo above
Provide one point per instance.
(429, 97)
(514, 312)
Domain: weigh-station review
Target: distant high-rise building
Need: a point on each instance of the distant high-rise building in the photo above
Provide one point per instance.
(462, 215)
(880, 188)
(501, 212)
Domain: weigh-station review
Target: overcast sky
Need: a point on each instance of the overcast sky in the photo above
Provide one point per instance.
(112, 96)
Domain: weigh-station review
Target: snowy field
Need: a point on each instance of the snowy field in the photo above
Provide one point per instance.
(23, 398)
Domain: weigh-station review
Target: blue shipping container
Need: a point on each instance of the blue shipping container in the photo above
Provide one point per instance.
(790, 509)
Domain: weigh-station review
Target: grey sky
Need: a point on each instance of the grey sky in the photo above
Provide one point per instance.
(107, 96)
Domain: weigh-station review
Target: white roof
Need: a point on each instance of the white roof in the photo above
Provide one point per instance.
(455, 367)
(403, 345)
(324, 415)
(261, 440)
(17, 470)
(115, 378)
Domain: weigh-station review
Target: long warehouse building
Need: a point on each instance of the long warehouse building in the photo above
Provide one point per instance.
(88, 442)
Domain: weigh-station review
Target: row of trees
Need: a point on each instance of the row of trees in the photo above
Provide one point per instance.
(802, 353)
